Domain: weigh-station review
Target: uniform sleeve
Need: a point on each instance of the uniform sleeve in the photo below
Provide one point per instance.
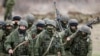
(1, 34)
(61, 47)
(73, 35)
(37, 45)
(8, 42)
(90, 48)
(31, 45)
(62, 34)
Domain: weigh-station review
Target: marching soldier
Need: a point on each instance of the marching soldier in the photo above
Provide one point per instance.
(1, 35)
(72, 28)
(81, 44)
(9, 7)
(48, 41)
(14, 41)
(39, 28)
(64, 22)
(8, 28)
(30, 19)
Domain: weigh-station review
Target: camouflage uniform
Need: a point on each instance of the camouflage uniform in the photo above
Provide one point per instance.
(9, 8)
(68, 32)
(15, 38)
(81, 45)
(6, 33)
(48, 39)
(1, 42)
(36, 31)
(64, 22)
(30, 19)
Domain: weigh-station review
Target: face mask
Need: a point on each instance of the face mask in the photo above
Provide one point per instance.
(50, 29)
(8, 30)
(73, 28)
(84, 34)
(38, 31)
(22, 31)
(64, 22)
(30, 25)
(15, 25)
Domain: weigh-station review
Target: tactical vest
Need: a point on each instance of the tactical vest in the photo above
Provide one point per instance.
(67, 33)
(23, 49)
(46, 41)
(79, 46)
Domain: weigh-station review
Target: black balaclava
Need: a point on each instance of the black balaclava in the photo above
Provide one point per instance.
(8, 31)
(73, 24)
(30, 24)
(79, 33)
(63, 24)
(22, 31)
(40, 25)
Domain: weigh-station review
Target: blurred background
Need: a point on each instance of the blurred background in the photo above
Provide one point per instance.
(83, 10)
(72, 8)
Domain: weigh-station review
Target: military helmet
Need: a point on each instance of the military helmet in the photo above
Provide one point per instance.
(40, 23)
(85, 29)
(46, 20)
(17, 18)
(64, 18)
(24, 23)
(51, 22)
(30, 18)
(9, 22)
(73, 22)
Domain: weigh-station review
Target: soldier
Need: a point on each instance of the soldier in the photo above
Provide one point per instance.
(39, 27)
(2, 23)
(30, 19)
(14, 41)
(8, 28)
(48, 41)
(72, 28)
(15, 21)
(9, 7)
(1, 34)
(64, 22)
(81, 44)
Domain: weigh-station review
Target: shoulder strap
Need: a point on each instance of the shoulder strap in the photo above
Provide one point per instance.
(48, 46)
